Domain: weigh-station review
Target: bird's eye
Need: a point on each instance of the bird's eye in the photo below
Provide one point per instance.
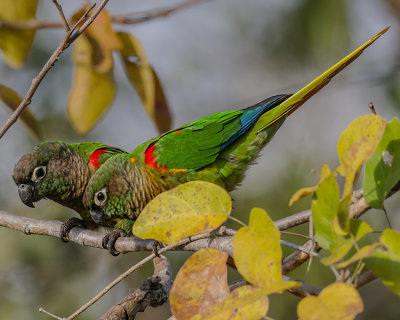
(39, 173)
(100, 197)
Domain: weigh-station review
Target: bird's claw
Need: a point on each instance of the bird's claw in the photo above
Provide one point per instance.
(67, 226)
(110, 238)
(157, 245)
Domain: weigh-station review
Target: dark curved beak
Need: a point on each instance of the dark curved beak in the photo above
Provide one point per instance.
(98, 216)
(26, 193)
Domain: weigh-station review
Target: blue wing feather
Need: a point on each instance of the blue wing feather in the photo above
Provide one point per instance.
(250, 116)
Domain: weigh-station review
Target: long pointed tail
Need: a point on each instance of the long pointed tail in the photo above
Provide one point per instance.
(301, 96)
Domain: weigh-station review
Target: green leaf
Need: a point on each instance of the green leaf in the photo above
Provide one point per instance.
(145, 80)
(12, 100)
(188, 209)
(16, 44)
(338, 249)
(201, 282)
(343, 244)
(338, 301)
(324, 208)
(382, 171)
(385, 262)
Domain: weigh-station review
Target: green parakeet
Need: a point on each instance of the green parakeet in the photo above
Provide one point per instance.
(60, 172)
(217, 148)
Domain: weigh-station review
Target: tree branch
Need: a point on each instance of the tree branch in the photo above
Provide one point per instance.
(128, 244)
(134, 18)
(139, 17)
(133, 269)
(62, 15)
(365, 278)
(69, 38)
(154, 291)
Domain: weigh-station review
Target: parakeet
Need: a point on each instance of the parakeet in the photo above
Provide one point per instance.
(217, 148)
(60, 172)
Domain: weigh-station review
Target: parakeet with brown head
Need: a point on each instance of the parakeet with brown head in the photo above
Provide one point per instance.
(60, 172)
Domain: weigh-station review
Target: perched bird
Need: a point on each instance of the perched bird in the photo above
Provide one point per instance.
(60, 172)
(217, 148)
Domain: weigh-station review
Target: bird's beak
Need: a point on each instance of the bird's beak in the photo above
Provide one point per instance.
(98, 216)
(26, 193)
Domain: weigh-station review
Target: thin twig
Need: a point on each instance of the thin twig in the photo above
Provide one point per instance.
(293, 220)
(311, 234)
(68, 39)
(50, 314)
(154, 291)
(133, 18)
(133, 269)
(294, 234)
(61, 12)
(88, 22)
(387, 217)
(30, 25)
(237, 221)
(139, 17)
(309, 251)
(371, 107)
(298, 257)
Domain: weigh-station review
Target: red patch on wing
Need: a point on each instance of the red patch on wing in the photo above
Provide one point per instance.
(95, 157)
(150, 158)
(178, 131)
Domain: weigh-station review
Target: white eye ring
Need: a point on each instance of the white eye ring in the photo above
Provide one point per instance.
(100, 197)
(39, 173)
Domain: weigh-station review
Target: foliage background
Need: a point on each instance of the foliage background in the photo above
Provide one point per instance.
(214, 56)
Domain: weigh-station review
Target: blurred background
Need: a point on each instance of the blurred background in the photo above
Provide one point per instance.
(214, 56)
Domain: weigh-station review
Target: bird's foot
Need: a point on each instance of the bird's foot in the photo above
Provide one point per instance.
(110, 238)
(157, 245)
(68, 225)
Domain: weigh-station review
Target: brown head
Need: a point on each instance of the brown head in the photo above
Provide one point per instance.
(53, 170)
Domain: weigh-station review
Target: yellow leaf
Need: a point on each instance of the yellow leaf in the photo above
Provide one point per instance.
(258, 254)
(92, 91)
(337, 301)
(356, 145)
(103, 40)
(144, 79)
(246, 302)
(304, 192)
(16, 43)
(189, 209)
(200, 283)
(13, 100)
